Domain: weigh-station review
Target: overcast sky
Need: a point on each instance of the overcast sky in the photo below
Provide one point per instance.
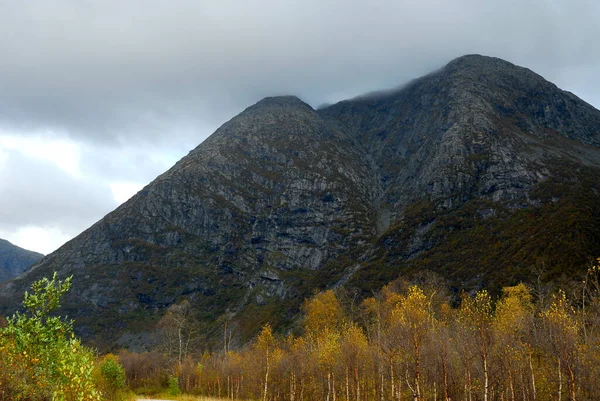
(99, 97)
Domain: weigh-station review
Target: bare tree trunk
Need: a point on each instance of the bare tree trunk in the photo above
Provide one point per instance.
(400, 395)
(469, 383)
(180, 346)
(466, 387)
(187, 345)
(417, 370)
(381, 389)
(485, 377)
(532, 374)
(357, 378)
(266, 377)
(523, 385)
(413, 390)
(225, 339)
(333, 385)
(293, 387)
(392, 378)
(418, 385)
(572, 382)
(511, 385)
(559, 381)
(347, 384)
(328, 386)
(445, 371)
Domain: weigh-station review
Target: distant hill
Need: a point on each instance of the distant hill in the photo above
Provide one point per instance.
(482, 172)
(15, 260)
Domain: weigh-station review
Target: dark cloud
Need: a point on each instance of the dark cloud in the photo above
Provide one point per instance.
(137, 69)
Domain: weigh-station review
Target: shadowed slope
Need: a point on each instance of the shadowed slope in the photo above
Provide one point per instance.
(15, 260)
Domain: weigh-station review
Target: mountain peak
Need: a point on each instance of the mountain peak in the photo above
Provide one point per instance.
(492, 70)
(477, 58)
(282, 101)
(482, 62)
(283, 199)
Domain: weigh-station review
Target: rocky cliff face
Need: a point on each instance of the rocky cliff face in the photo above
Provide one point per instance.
(15, 260)
(283, 199)
(475, 128)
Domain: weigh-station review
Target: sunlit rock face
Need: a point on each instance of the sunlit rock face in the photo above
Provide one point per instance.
(283, 199)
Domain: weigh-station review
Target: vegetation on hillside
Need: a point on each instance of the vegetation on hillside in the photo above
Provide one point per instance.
(483, 244)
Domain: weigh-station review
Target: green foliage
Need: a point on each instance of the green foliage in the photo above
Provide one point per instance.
(46, 296)
(174, 386)
(110, 377)
(113, 372)
(42, 359)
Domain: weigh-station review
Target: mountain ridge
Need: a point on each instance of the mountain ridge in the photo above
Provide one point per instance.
(15, 260)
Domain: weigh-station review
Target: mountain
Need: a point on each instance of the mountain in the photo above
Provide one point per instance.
(482, 172)
(15, 260)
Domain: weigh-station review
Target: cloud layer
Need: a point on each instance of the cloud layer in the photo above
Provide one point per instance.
(136, 84)
(102, 70)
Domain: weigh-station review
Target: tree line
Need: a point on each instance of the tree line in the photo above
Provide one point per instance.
(409, 343)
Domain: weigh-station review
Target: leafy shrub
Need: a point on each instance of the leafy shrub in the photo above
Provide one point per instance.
(174, 385)
(42, 359)
(110, 377)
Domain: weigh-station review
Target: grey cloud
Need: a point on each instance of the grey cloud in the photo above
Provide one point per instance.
(112, 70)
(40, 194)
(131, 163)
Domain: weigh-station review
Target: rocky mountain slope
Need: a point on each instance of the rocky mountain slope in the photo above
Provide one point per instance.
(482, 171)
(15, 260)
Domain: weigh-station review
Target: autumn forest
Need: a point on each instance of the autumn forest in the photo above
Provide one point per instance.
(406, 343)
